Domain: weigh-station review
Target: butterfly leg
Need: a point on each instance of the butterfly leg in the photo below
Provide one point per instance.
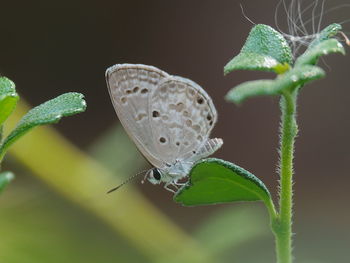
(177, 183)
(166, 186)
(180, 184)
(145, 177)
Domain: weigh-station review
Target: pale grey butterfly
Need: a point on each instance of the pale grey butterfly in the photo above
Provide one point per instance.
(169, 118)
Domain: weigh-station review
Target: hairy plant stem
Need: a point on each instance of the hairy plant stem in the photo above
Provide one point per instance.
(282, 225)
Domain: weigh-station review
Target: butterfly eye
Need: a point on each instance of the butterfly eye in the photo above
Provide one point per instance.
(156, 174)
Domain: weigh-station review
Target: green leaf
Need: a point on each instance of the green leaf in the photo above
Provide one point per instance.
(114, 144)
(251, 61)
(49, 112)
(8, 98)
(265, 50)
(5, 179)
(293, 78)
(214, 181)
(325, 47)
(327, 33)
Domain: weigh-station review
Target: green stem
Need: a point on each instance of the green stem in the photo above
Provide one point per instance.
(282, 226)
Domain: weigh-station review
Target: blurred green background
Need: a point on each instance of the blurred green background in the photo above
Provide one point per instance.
(56, 209)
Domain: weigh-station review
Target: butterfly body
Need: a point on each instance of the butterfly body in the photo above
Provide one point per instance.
(168, 117)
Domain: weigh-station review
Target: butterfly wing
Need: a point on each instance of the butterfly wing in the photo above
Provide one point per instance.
(130, 86)
(182, 117)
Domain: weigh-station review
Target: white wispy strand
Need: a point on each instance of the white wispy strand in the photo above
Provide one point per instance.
(300, 25)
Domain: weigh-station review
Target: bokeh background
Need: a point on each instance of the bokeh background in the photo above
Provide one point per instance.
(49, 213)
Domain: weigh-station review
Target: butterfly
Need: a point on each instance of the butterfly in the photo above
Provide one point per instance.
(169, 118)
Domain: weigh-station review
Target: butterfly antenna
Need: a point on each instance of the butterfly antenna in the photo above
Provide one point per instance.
(126, 181)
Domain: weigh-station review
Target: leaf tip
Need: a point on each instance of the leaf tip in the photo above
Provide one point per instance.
(231, 96)
(5, 179)
(9, 176)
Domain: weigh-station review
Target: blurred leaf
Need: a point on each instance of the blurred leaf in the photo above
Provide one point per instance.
(114, 144)
(230, 228)
(265, 50)
(5, 179)
(326, 47)
(214, 181)
(83, 181)
(49, 112)
(8, 98)
(327, 33)
(66, 233)
(293, 78)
